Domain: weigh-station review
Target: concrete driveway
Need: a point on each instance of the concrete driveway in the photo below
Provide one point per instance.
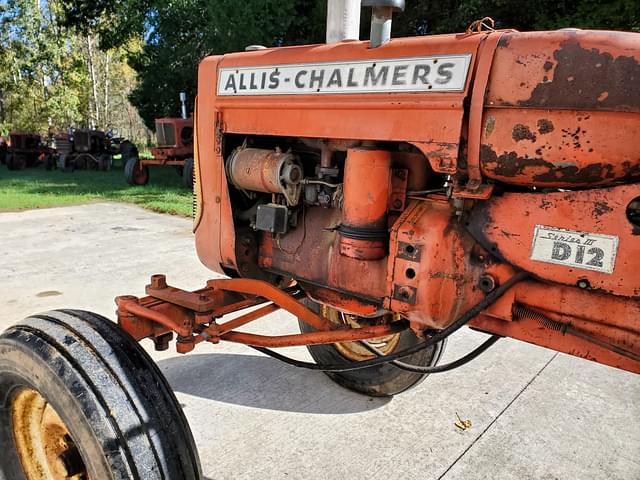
(535, 414)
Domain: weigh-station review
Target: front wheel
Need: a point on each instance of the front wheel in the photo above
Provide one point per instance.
(135, 172)
(380, 381)
(187, 173)
(80, 399)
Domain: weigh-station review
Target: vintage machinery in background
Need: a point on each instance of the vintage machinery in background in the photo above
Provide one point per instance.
(91, 149)
(174, 149)
(385, 193)
(26, 150)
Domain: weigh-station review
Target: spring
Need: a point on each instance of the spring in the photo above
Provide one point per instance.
(520, 311)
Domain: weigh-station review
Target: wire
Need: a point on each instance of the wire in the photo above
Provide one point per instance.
(308, 181)
(437, 337)
(437, 368)
(425, 192)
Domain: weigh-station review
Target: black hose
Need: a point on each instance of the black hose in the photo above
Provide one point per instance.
(439, 336)
(438, 368)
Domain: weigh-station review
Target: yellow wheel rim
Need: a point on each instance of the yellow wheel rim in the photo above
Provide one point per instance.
(43, 442)
(353, 350)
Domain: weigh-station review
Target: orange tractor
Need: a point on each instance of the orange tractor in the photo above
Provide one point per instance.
(385, 193)
(174, 149)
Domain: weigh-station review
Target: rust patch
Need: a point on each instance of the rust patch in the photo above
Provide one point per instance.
(601, 208)
(490, 125)
(545, 126)
(509, 164)
(589, 79)
(523, 132)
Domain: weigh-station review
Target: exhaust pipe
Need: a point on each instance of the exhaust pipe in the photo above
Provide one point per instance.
(183, 101)
(381, 17)
(343, 20)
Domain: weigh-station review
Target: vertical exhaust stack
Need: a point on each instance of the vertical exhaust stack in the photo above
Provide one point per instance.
(343, 20)
(183, 101)
(381, 17)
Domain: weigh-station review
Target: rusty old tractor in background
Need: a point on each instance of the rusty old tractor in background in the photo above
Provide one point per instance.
(174, 148)
(26, 150)
(91, 149)
(385, 193)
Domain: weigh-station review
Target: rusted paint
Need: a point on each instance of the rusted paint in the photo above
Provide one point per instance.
(545, 126)
(523, 132)
(588, 78)
(541, 172)
(489, 126)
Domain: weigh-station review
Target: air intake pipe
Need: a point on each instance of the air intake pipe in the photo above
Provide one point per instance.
(381, 16)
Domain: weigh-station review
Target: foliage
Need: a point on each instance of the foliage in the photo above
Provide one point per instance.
(179, 33)
(52, 78)
(150, 49)
(38, 188)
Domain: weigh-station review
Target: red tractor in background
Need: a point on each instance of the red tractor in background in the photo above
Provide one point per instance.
(174, 148)
(26, 150)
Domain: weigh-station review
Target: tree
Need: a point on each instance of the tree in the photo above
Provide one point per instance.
(52, 78)
(177, 34)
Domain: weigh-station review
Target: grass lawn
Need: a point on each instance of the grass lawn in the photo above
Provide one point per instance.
(38, 188)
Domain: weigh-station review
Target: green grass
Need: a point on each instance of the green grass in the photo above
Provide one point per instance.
(38, 188)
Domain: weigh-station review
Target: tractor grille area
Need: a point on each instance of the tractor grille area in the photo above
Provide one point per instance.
(165, 134)
(81, 141)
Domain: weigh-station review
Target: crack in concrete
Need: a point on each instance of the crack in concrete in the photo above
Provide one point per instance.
(497, 417)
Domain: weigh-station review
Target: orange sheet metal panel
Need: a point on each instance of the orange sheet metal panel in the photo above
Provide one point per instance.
(563, 109)
(566, 237)
(400, 116)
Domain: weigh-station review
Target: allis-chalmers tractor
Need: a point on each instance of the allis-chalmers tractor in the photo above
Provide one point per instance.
(92, 149)
(174, 148)
(385, 193)
(26, 150)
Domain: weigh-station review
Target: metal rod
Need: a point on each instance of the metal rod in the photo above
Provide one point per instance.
(247, 318)
(315, 338)
(155, 316)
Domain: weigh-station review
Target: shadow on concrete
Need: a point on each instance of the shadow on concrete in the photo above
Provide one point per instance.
(262, 382)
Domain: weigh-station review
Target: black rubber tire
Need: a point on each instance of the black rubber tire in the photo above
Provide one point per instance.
(16, 162)
(127, 150)
(380, 381)
(50, 162)
(117, 406)
(131, 169)
(104, 162)
(187, 174)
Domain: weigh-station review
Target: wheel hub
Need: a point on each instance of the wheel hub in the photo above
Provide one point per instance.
(354, 351)
(43, 442)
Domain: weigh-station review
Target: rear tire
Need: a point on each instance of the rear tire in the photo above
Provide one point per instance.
(104, 162)
(135, 173)
(16, 162)
(380, 381)
(118, 416)
(187, 173)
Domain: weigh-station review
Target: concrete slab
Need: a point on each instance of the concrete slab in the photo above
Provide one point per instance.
(536, 414)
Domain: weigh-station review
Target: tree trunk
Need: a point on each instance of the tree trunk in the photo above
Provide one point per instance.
(94, 83)
(105, 107)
